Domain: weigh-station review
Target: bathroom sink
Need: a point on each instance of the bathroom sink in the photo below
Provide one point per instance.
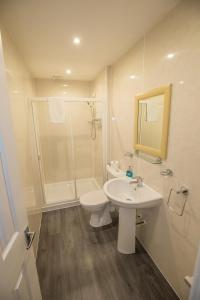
(124, 194)
(129, 197)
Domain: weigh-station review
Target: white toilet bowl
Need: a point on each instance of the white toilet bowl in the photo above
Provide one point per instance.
(98, 204)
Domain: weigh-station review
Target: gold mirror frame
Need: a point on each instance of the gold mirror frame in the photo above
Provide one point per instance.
(166, 92)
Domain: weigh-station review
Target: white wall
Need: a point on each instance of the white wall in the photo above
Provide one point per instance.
(21, 86)
(171, 240)
(61, 88)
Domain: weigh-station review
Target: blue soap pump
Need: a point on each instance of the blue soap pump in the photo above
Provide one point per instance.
(129, 172)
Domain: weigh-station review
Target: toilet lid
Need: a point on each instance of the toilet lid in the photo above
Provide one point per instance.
(94, 198)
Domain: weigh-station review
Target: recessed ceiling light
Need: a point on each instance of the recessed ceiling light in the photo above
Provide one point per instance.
(170, 55)
(132, 76)
(64, 93)
(76, 40)
(68, 71)
(65, 85)
(181, 82)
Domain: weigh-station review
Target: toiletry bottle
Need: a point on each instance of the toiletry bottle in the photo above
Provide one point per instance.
(129, 172)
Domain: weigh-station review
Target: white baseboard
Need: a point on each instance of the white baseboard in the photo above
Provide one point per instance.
(158, 267)
(60, 205)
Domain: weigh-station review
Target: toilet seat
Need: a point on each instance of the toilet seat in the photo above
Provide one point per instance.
(94, 198)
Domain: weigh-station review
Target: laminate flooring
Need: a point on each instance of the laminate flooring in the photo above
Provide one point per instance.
(78, 262)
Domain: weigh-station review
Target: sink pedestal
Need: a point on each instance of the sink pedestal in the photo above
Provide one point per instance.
(126, 231)
(122, 194)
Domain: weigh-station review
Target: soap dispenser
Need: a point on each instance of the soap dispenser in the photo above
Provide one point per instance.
(129, 172)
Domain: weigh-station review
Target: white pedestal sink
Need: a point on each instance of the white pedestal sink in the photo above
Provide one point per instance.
(129, 197)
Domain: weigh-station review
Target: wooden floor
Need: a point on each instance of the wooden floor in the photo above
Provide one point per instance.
(77, 262)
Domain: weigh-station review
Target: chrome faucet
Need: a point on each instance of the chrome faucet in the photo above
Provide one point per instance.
(138, 180)
(129, 154)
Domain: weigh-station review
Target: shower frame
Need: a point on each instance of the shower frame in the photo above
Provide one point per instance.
(33, 101)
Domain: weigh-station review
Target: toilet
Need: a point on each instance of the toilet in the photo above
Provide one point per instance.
(98, 204)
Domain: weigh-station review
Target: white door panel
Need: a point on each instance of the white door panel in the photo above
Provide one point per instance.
(24, 289)
(18, 274)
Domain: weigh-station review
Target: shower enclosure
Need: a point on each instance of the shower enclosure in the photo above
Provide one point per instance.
(70, 139)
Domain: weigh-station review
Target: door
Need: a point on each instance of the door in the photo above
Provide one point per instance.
(18, 274)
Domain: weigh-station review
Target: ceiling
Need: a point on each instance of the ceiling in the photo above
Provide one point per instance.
(43, 31)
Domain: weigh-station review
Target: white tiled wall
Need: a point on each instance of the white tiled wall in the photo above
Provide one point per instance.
(21, 86)
(171, 240)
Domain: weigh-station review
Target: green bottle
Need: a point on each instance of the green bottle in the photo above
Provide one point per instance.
(129, 172)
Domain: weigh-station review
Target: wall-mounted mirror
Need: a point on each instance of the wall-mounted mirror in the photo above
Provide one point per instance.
(152, 121)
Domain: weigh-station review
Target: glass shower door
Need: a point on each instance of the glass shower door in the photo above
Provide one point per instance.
(86, 122)
(55, 147)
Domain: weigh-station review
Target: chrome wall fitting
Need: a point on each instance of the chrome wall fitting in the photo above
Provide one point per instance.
(129, 154)
(166, 172)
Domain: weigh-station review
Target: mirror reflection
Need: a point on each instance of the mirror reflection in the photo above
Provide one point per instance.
(150, 121)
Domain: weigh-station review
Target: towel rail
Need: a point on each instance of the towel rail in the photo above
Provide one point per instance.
(183, 191)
